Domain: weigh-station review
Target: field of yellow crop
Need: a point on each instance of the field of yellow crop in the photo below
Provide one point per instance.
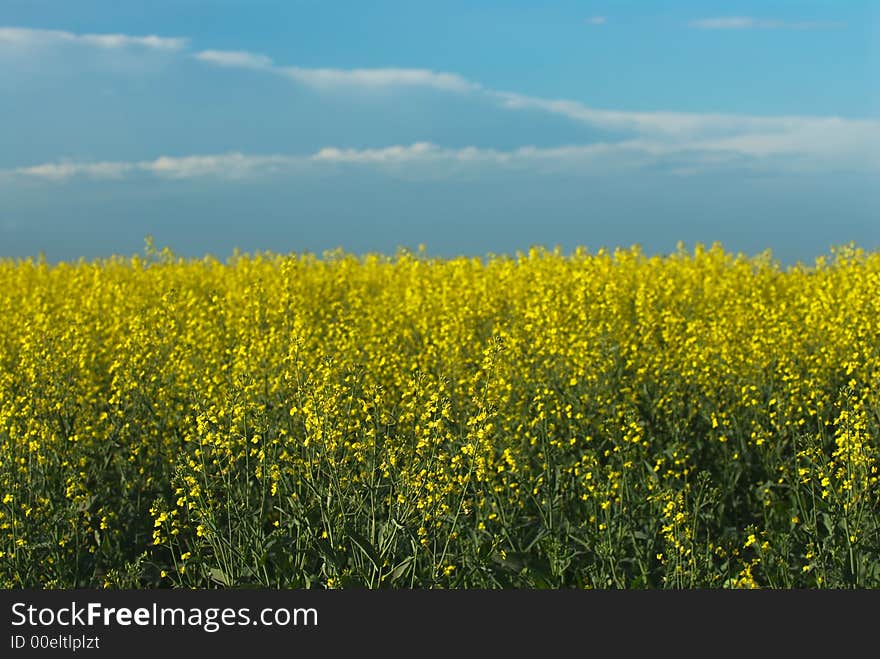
(602, 420)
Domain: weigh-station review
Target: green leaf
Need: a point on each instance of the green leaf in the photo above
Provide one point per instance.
(219, 576)
(364, 545)
(400, 569)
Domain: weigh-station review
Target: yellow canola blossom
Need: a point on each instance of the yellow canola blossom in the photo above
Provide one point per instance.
(607, 419)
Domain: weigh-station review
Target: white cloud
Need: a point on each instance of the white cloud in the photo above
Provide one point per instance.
(855, 140)
(330, 78)
(379, 78)
(247, 166)
(426, 152)
(59, 171)
(226, 165)
(831, 139)
(671, 124)
(235, 59)
(782, 152)
(26, 38)
(596, 20)
(818, 146)
(707, 139)
(750, 23)
(397, 153)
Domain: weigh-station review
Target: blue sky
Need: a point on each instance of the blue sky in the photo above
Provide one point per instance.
(469, 127)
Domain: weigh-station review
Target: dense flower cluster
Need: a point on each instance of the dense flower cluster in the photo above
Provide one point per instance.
(606, 419)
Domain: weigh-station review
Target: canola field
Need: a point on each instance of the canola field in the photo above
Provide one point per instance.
(545, 420)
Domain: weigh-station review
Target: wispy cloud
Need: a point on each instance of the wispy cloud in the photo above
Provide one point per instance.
(18, 37)
(427, 159)
(28, 40)
(227, 166)
(743, 131)
(391, 154)
(239, 59)
(429, 152)
(596, 20)
(669, 124)
(809, 146)
(751, 23)
(238, 166)
(835, 140)
(855, 140)
(329, 77)
(60, 171)
(380, 77)
(707, 138)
